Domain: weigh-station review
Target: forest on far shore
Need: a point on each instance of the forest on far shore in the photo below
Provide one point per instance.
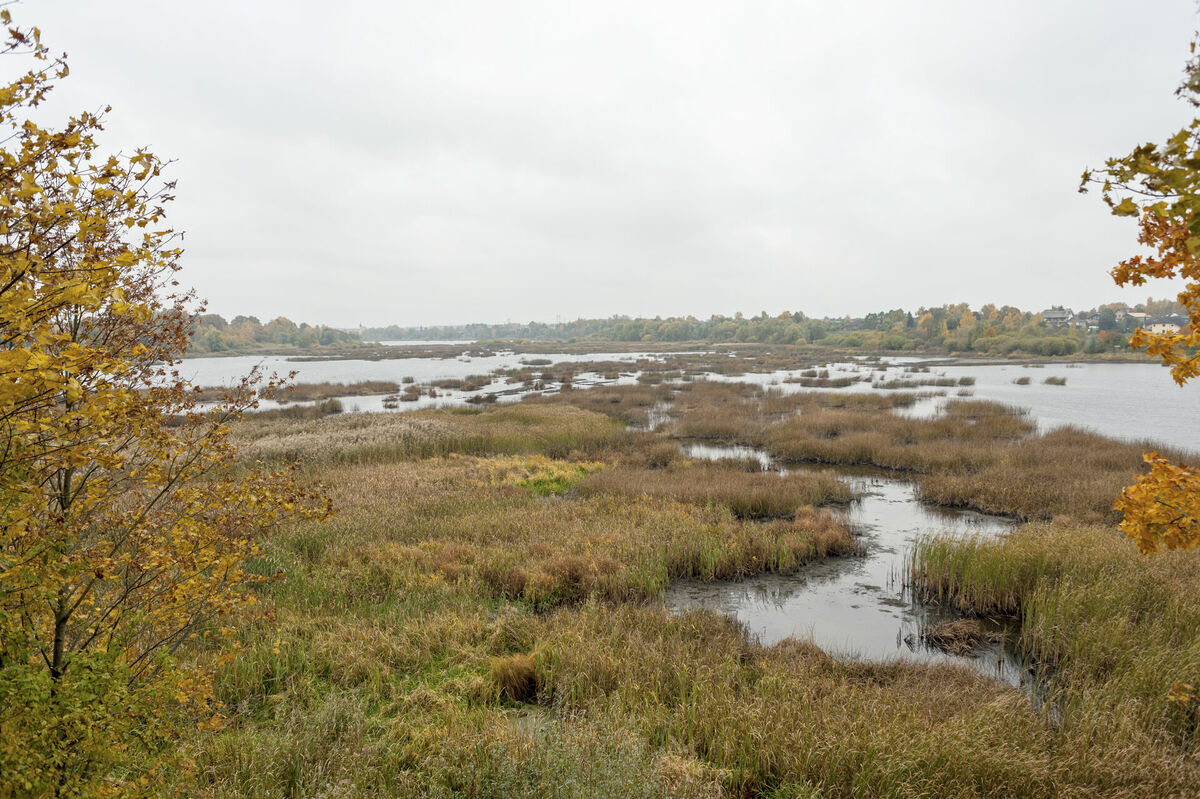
(989, 330)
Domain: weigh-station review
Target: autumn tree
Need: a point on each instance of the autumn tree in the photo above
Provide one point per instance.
(125, 520)
(1159, 185)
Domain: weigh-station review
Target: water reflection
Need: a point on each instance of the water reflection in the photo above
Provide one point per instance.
(857, 607)
(1136, 401)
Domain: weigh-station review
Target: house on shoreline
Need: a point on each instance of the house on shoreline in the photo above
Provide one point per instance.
(1165, 324)
(1057, 316)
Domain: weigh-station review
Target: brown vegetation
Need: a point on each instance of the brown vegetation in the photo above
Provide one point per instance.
(1065, 471)
(752, 495)
(956, 636)
(309, 392)
(963, 438)
(451, 633)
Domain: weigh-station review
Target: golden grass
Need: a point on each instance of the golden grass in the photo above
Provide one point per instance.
(453, 521)
(1064, 472)
(1113, 629)
(748, 494)
(515, 677)
(553, 430)
(455, 632)
(965, 437)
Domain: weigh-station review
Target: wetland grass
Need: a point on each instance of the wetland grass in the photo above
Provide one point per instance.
(309, 392)
(1065, 471)
(455, 630)
(747, 494)
(965, 437)
(630, 404)
(554, 430)
(1113, 629)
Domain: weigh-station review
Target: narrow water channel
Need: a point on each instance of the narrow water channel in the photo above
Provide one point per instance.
(856, 607)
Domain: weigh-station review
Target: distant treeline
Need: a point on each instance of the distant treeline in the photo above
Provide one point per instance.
(991, 330)
(994, 330)
(211, 333)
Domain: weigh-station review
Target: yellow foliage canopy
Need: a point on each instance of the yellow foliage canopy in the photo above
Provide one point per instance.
(124, 527)
(1160, 186)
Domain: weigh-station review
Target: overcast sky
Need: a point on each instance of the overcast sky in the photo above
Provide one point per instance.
(451, 161)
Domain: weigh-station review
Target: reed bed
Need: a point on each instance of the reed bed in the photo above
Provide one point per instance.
(825, 382)
(1111, 629)
(558, 431)
(740, 413)
(630, 404)
(479, 523)
(315, 410)
(747, 494)
(456, 631)
(964, 438)
(310, 392)
(717, 411)
(1064, 472)
(908, 383)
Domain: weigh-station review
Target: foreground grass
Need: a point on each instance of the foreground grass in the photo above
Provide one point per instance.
(1112, 628)
(475, 622)
(478, 619)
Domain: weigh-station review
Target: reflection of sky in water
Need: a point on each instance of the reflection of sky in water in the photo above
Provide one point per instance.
(854, 607)
(1131, 401)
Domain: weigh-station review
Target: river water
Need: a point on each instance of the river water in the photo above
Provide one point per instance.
(858, 607)
(1127, 401)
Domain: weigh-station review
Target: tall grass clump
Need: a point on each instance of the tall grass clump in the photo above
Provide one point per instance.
(1111, 630)
(967, 436)
(748, 494)
(557, 431)
(1063, 472)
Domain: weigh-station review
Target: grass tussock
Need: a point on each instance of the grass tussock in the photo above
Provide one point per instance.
(1112, 628)
(555, 431)
(1064, 472)
(747, 494)
(515, 677)
(965, 437)
(956, 636)
(483, 626)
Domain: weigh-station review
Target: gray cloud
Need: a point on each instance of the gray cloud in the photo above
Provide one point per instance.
(457, 161)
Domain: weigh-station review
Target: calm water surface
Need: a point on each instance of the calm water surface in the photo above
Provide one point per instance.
(1128, 401)
(857, 607)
